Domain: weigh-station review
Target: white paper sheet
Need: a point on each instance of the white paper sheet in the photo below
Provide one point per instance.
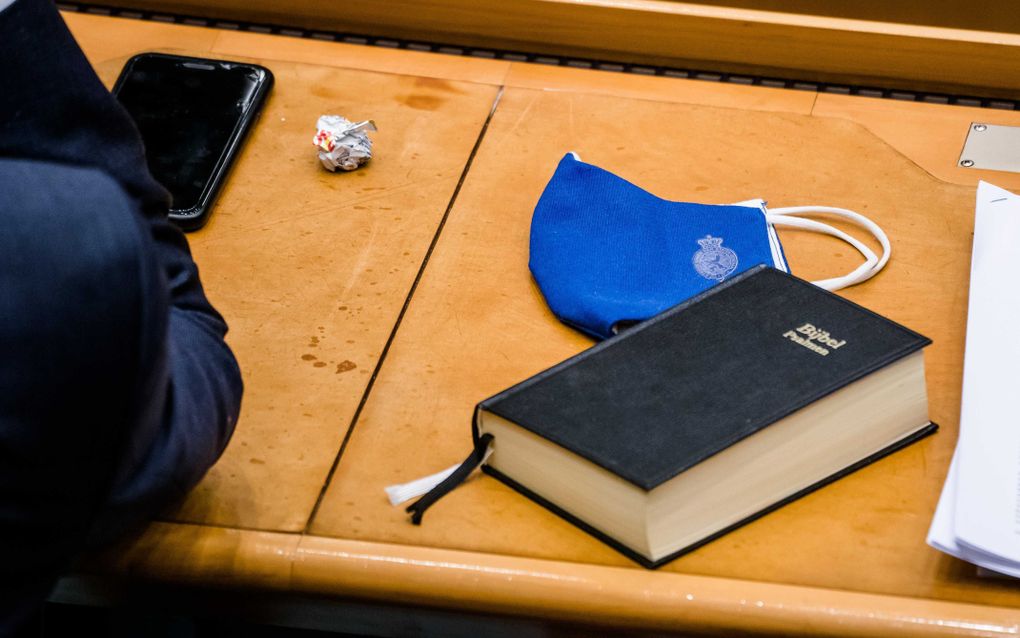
(978, 516)
(988, 473)
(942, 535)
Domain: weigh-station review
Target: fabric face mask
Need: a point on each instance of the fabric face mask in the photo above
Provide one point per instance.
(607, 254)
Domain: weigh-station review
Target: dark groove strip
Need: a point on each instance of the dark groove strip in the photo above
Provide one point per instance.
(581, 63)
(403, 309)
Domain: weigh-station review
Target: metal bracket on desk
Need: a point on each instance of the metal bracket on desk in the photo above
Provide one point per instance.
(992, 147)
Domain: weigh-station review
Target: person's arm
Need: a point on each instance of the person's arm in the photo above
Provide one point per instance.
(186, 394)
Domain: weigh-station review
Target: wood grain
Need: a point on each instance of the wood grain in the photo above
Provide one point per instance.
(290, 245)
(660, 88)
(478, 324)
(286, 564)
(982, 15)
(930, 135)
(311, 269)
(663, 31)
(103, 38)
(366, 58)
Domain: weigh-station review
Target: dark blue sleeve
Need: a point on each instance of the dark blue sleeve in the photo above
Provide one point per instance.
(117, 390)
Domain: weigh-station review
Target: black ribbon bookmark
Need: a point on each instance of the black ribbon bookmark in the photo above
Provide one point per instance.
(417, 509)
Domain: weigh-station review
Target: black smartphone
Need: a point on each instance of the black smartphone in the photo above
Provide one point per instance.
(193, 115)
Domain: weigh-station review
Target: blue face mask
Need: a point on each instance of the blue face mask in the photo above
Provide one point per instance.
(607, 254)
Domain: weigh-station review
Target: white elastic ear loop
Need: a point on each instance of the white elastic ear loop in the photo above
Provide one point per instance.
(790, 216)
(870, 260)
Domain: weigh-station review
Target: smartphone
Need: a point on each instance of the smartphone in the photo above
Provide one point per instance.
(193, 115)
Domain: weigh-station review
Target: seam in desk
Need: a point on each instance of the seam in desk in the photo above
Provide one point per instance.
(403, 310)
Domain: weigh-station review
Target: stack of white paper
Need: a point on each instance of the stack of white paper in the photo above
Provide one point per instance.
(978, 515)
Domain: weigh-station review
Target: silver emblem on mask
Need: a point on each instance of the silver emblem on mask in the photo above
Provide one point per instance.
(714, 261)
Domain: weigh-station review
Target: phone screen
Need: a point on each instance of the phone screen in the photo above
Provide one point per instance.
(188, 111)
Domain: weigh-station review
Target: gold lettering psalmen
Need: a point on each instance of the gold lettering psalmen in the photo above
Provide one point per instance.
(814, 339)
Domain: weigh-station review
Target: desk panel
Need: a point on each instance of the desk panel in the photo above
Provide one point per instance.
(365, 58)
(659, 88)
(311, 269)
(930, 135)
(103, 38)
(478, 324)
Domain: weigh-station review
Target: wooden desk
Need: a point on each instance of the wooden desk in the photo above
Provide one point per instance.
(312, 268)
(974, 46)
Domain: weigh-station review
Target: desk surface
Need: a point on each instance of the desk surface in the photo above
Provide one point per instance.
(370, 311)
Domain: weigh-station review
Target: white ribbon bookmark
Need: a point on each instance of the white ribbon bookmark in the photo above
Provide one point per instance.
(404, 492)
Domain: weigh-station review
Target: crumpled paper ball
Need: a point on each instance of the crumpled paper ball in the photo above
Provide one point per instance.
(343, 144)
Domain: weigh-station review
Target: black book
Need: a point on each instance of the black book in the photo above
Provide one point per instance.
(710, 415)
